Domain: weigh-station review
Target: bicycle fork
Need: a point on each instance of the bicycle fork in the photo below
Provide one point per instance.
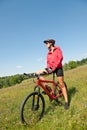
(35, 100)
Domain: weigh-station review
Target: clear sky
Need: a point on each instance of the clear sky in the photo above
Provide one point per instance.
(25, 24)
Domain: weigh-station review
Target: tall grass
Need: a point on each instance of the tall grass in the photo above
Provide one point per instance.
(55, 117)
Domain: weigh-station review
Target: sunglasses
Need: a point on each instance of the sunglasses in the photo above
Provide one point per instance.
(47, 43)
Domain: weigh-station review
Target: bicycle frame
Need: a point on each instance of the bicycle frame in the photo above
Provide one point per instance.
(35, 103)
(40, 82)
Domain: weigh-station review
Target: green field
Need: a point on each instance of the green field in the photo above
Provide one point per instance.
(55, 117)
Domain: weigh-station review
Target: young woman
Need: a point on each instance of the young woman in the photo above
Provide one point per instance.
(54, 64)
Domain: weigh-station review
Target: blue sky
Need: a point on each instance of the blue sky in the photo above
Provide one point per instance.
(25, 24)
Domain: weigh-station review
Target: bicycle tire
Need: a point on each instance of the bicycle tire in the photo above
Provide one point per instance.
(59, 91)
(29, 112)
(66, 86)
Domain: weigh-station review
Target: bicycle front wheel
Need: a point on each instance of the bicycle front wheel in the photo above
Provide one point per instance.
(32, 108)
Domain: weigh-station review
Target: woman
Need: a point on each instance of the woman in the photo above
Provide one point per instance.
(54, 64)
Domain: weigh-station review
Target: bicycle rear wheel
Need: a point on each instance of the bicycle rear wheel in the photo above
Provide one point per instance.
(58, 90)
(32, 108)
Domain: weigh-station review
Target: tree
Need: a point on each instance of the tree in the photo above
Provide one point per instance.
(72, 64)
(65, 66)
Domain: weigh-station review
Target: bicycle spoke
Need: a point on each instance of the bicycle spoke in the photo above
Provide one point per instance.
(32, 109)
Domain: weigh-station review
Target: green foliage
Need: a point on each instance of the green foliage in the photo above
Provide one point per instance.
(8, 81)
(74, 64)
(55, 117)
(11, 80)
(66, 66)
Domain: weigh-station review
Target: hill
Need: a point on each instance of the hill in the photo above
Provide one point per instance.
(55, 118)
(9, 81)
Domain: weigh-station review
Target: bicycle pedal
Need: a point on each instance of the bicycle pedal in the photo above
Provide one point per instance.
(59, 103)
(43, 92)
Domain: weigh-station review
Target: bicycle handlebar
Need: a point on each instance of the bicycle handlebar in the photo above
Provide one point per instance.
(30, 74)
(33, 75)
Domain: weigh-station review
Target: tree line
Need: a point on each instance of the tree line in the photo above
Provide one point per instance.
(74, 64)
(9, 81)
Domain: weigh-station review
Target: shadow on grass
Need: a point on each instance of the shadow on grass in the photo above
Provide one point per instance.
(71, 92)
(52, 106)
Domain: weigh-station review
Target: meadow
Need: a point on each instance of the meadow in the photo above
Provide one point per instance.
(55, 117)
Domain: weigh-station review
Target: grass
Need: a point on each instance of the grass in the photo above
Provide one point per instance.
(55, 118)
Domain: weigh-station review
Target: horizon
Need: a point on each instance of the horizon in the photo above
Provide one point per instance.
(24, 25)
(32, 72)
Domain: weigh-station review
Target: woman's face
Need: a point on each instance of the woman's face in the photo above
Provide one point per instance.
(48, 44)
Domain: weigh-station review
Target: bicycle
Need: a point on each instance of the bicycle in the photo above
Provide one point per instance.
(33, 106)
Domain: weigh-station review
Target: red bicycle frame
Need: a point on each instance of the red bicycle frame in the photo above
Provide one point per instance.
(40, 82)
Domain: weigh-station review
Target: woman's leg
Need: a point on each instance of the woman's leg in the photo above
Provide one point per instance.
(62, 85)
